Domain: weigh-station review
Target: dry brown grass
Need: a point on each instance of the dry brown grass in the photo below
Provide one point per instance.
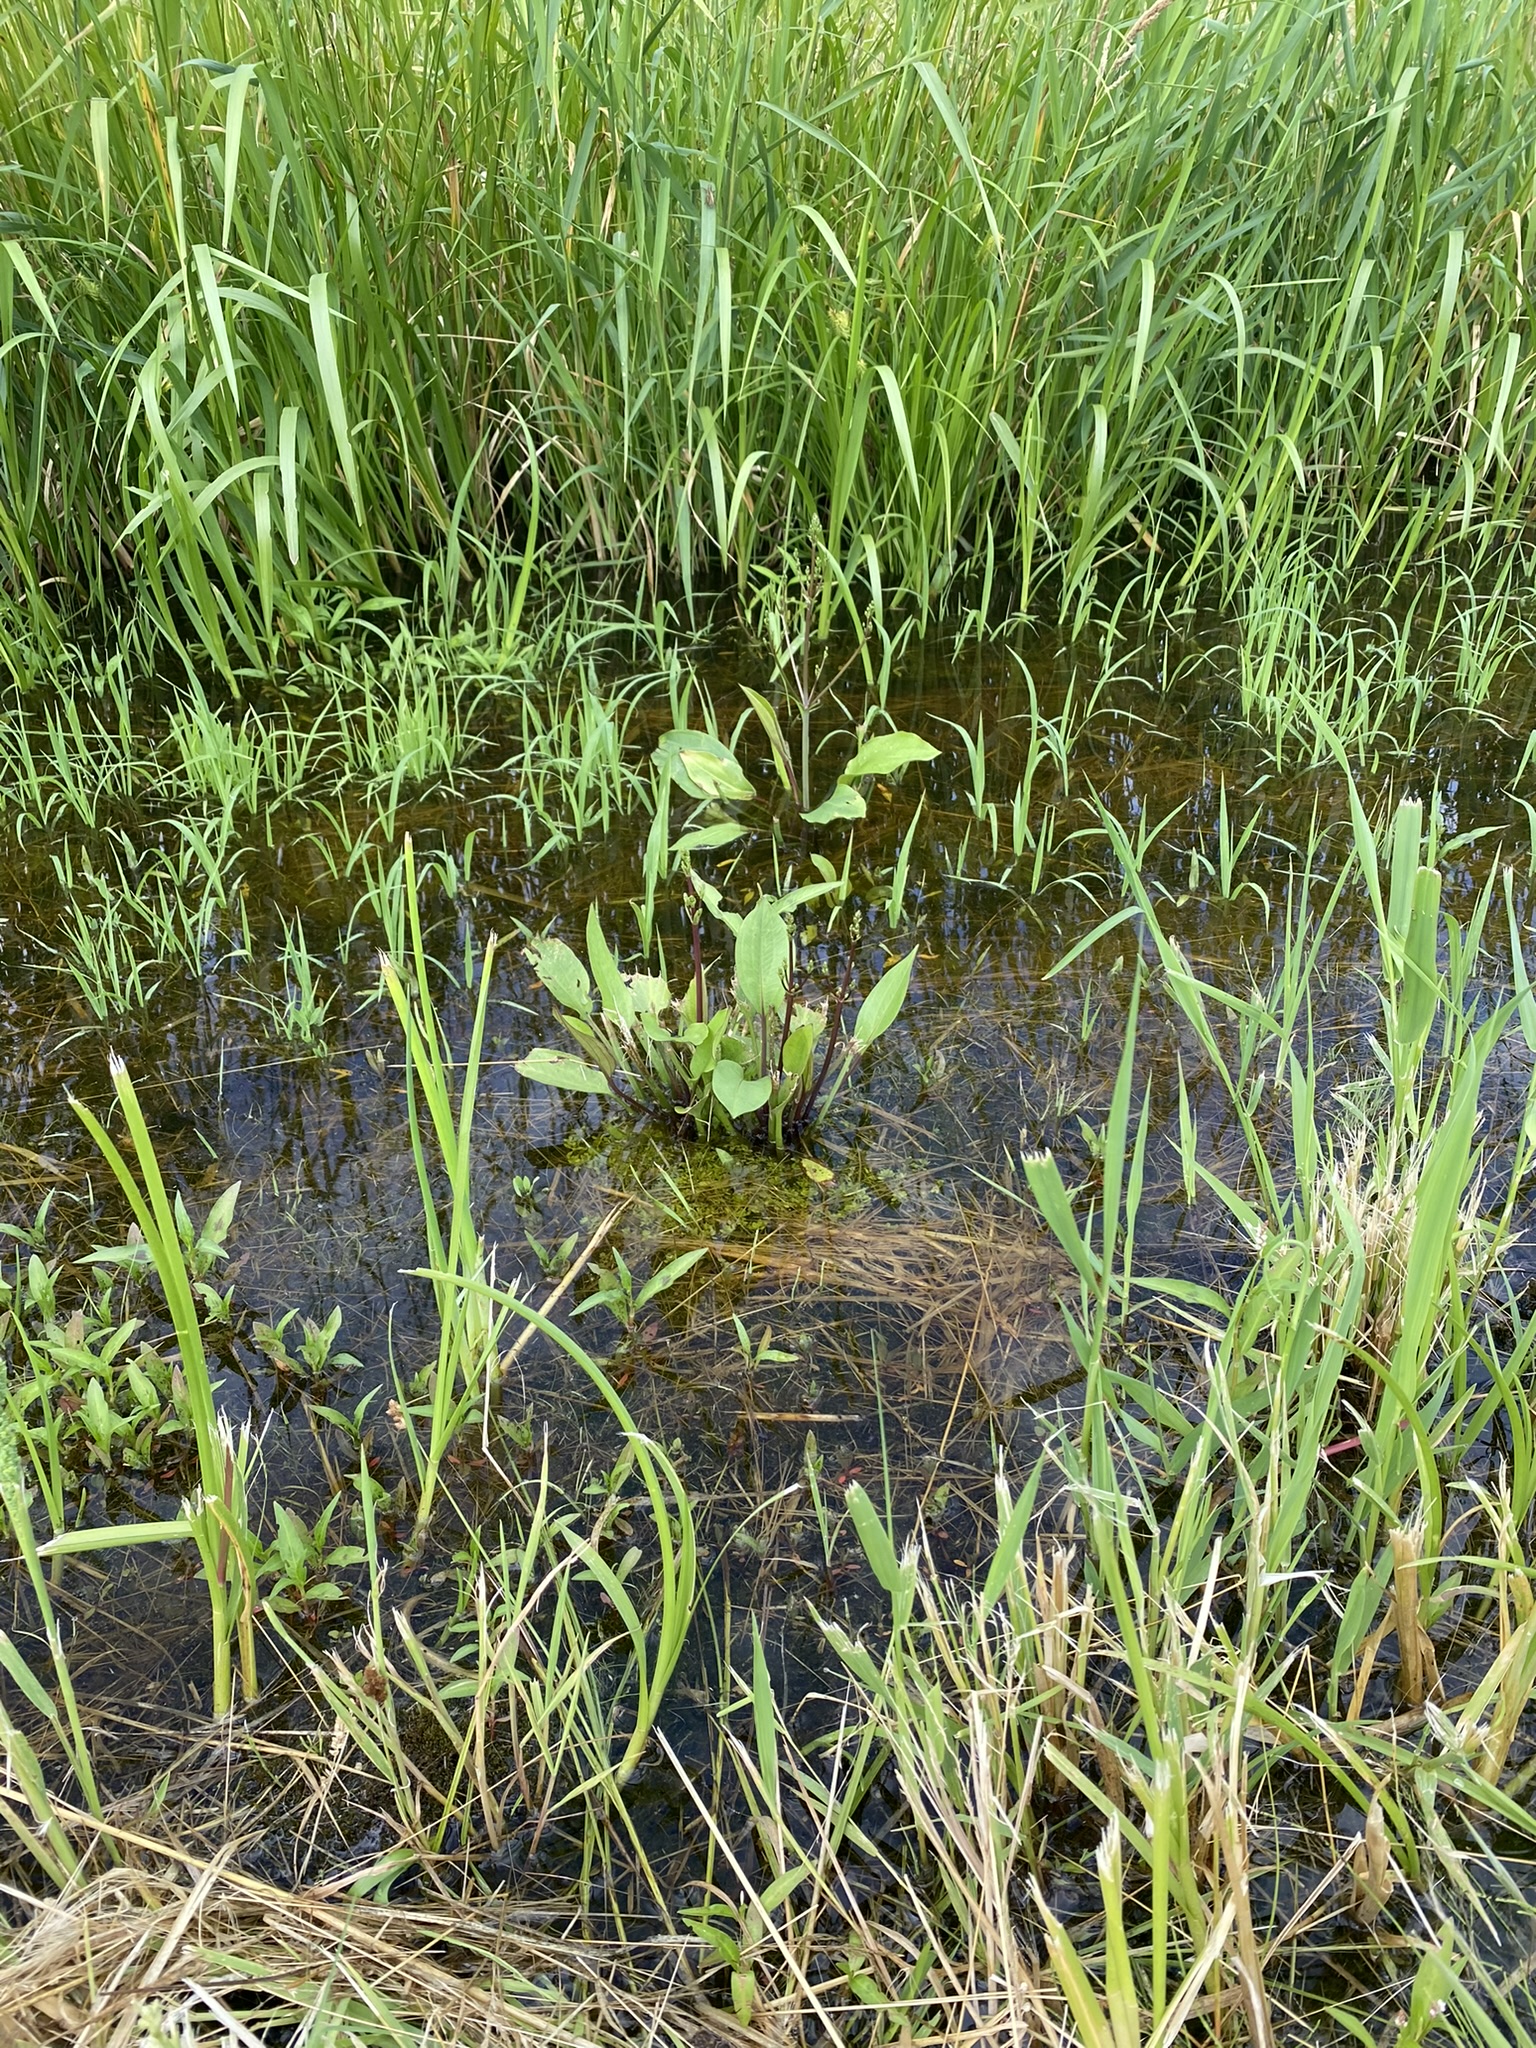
(175, 1949)
(978, 1288)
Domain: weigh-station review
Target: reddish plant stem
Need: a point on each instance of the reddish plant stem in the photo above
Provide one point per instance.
(834, 1031)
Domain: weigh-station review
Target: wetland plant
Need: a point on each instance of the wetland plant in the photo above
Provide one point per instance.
(937, 348)
(767, 1060)
(217, 1517)
(440, 1097)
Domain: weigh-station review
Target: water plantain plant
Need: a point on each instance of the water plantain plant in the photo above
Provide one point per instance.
(765, 1061)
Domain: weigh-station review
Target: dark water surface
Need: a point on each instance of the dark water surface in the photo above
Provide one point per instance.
(911, 1298)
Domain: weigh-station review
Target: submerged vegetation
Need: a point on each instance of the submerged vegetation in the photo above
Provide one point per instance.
(770, 1142)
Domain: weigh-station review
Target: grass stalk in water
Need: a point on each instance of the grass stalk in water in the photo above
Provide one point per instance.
(671, 1514)
(217, 1519)
(468, 1329)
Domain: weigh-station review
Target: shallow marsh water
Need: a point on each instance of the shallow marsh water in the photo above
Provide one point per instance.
(903, 1313)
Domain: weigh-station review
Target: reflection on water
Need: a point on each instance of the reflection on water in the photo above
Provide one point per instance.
(904, 1314)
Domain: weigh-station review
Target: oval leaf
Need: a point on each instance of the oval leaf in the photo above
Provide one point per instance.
(762, 959)
(842, 803)
(799, 1046)
(561, 971)
(703, 767)
(888, 752)
(882, 1006)
(875, 1538)
(562, 1070)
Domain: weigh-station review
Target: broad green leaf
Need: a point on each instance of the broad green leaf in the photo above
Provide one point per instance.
(707, 839)
(736, 1095)
(875, 1538)
(649, 994)
(708, 775)
(559, 967)
(899, 421)
(1431, 1255)
(1421, 987)
(882, 1006)
(842, 803)
(705, 1039)
(704, 767)
(611, 986)
(1049, 1191)
(887, 752)
(221, 1215)
(1010, 1543)
(556, 1069)
(762, 959)
(1407, 835)
(799, 1046)
(1360, 1609)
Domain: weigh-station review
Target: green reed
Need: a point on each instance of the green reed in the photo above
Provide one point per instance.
(930, 300)
(442, 1141)
(218, 1518)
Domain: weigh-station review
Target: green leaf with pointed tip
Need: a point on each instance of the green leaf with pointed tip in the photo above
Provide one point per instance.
(768, 719)
(882, 1006)
(708, 839)
(1421, 985)
(13, 1663)
(559, 967)
(875, 1539)
(611, 988)
(706, 1046)
(711, 899)
(736, 1095)
(704, 767)
(669, 1275)
(1407, 835)
(221, 1216)
(1054, 1204)
(843, 804)
(649, 994)
(762, 959)
(808, 892)
(886, 753)
(799, 1046)
(556, 1069)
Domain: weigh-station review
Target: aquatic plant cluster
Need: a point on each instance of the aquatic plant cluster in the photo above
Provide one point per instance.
(768, 1144)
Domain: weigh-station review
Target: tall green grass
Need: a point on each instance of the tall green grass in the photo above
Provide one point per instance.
(912, 299)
